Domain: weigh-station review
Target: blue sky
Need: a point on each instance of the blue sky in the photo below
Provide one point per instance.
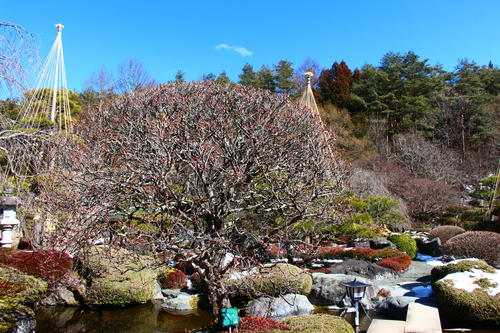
(170, 35)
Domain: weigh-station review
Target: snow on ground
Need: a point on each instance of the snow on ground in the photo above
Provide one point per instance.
(466, 280)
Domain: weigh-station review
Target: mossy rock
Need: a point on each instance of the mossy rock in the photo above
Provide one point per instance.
(476, 307)
(275, 280)
(13, 314)
(404, 243)
(440, 272)
(118, 277)
(318, 323)
(21, 287)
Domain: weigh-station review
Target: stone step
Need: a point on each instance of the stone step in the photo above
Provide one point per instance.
(386, 326)
(422, 318)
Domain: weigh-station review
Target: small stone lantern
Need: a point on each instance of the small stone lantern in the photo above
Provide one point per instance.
(8, 220)
(356, 291)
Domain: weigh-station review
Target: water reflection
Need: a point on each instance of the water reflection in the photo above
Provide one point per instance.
(145, 318)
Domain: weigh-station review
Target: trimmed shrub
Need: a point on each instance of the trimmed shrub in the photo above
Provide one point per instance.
(20, 286)
(275, 280)
(329, 252)
(440, 272)
(258, 324)
(50, 265)
(476, 307)
(475, 244)
(387, 253)
(398, 264)
(318, 323)
(404, 243)
(359, 253)
(445, 232)
(173, 279)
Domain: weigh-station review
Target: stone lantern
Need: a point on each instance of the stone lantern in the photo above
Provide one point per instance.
(8, 220)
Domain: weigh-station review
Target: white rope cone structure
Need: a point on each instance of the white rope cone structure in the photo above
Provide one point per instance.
(49, 98)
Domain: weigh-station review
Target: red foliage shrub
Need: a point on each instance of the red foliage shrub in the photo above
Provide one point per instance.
(329, 252)
(302, 250)
(360, 253)
(475, 244)
(396, 263)
(388, 253)
(445, 232)
(276, 252)
(50, 265)
(174, 279)
(257, 324)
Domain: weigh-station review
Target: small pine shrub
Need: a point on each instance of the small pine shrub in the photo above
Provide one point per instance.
(404, 243)
(475, 244)
(388, 253)
(445, 232)
(398, 264)
(258, 324)
(360, 253)
(329, 252)
(173, 279)
(357, 230)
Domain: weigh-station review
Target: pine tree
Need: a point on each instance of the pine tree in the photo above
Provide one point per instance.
(179, 77)
(248, 77)
(284, 77)
(266, 79)
(223, 78)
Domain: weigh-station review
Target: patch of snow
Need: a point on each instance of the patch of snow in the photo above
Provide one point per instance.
(239, 275)
(440, 263)
(465, 280)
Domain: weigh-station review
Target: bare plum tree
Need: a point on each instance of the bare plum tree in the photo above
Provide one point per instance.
(199, 167)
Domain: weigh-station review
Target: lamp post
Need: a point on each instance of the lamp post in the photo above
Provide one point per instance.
(356, 291)
(8, 221)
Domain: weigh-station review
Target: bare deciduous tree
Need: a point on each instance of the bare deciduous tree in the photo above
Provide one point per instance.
(132, 76)
(17, 54)
(199, 167)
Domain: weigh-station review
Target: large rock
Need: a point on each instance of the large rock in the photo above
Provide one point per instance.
(60, 296)
(179, 302)
(362, 268)
(280, 307)
(271, 280)
(328, 289)
(118, 277)
(471, 296)
(15, 317)
(430, 247)
(394, 307)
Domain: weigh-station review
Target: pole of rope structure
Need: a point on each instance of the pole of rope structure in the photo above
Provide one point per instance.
(56, 76)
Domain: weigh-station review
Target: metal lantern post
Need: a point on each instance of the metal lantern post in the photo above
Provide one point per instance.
(8, 204)
(356, 291)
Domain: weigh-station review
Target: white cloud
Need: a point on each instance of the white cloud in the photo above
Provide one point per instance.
(238, 49)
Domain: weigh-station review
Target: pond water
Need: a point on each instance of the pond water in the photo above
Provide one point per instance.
(147, 318)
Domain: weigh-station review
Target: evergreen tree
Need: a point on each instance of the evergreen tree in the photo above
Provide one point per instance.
(248, 77)
(223, 78)
(179, 77)
(266, 79)
(284, 77)
(208, 77)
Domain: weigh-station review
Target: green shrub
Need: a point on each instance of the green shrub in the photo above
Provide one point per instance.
(440, 272)
(404, 243)
(475, 244)
(22, 287)
(275, 280)
(445, 232)
(318, 323)
(358, 230)
(477, 307)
